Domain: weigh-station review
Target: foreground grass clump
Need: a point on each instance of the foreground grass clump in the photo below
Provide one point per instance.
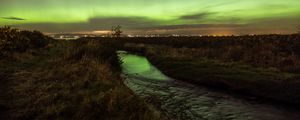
(69, 80)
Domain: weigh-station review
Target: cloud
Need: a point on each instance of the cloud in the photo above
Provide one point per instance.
(193, 26)
(192, 29)
(128, 22)
(142, 25)
(197, 16)
(13, 18)
(93, 24)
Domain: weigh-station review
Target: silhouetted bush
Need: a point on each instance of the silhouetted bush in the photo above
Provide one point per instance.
(14, 40)
(37, 39)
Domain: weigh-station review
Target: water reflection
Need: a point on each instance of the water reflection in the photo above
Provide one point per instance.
(140, 66)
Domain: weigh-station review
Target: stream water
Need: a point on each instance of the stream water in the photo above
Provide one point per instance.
(182, 100)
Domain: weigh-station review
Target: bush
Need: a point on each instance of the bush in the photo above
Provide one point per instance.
(37, 39)
(14, 40)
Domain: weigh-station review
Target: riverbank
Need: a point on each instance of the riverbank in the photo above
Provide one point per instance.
(265, 83)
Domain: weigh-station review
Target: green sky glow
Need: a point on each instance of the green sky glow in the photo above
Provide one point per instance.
(150, 15)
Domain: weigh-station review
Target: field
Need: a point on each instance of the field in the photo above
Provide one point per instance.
(265, 66)
(43, 78)
(64, 80)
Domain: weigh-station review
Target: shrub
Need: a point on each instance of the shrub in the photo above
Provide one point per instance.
(14, 40)
(37, 39)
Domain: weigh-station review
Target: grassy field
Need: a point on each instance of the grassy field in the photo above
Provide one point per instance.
(42, 78)
(260, 66)
(268, 51)
(64, 80)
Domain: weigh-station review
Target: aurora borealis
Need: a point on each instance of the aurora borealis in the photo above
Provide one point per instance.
(154, 16)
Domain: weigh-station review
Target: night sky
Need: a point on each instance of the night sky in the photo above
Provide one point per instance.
(221, 17)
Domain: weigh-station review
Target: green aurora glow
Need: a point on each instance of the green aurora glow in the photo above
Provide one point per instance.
(150, 16)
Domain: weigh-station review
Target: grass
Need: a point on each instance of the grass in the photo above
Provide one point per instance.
(276, 51)
(81, 79)
(68, 80)
(184, 64)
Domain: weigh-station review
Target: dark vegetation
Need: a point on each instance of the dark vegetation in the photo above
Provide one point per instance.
(116, 31)
(42, 78)
(14, 40)
(269, 51)
(267, 66)
(265, 82)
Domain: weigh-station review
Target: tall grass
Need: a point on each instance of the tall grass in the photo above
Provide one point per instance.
(70, 80)
(270, 51)
(266, 66)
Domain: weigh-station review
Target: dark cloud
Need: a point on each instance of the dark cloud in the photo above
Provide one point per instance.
(192, 26)
(56, 27)
(128, 22)
(13, 18)
(226, 20)
(92, 24)
(197, 16)
(277, 22)
(192, 29)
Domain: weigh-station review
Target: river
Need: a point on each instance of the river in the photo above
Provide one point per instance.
(181, 100)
